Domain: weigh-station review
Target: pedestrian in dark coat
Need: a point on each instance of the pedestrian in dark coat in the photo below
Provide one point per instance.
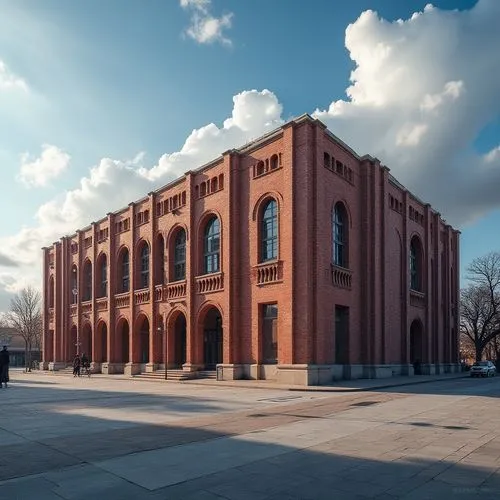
(76, 366)
(4, 366)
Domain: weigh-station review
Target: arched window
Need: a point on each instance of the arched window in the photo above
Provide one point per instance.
(124, 272)
(74, 285)
(144, 275)
(180, 256)
(415, 264)
(211, 247)
(103, 276)
(340, 233)
(269, 231)
(87, 280)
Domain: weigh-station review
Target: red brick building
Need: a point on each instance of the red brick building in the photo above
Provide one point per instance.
(291, 258)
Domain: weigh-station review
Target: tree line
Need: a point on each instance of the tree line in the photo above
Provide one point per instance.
(480, 309)
(25, 317)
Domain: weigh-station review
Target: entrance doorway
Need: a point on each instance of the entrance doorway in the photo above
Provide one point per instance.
(86, 341)
(416, 346)
(102, 343)
(125, 343)
(180, 340)
(144, 340)
(212, 334)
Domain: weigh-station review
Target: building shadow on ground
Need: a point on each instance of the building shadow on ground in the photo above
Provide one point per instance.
(75, 455)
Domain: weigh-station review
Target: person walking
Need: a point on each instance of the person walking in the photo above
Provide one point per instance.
(85, 364)
(4, 366)
(76, 366)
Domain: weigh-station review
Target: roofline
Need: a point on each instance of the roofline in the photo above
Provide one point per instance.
(249, 146)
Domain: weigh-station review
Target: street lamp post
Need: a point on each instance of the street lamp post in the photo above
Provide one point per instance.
(162, 330)
(74, 291)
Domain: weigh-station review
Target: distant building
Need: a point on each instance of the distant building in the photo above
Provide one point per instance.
(16, 346)
(291, 259)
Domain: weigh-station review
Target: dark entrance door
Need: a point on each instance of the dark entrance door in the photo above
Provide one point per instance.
(213, 348)
(180, 340)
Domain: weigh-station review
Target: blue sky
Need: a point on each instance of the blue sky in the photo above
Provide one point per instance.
(117, 78)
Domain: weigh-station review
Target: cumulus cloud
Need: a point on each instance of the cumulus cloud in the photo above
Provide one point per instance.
(10, 81)
(204, 27)
(112, 184)
(39, 171)
(421, 92)
(7, 261)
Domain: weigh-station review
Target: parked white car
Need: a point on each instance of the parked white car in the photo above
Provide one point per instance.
(483, 369)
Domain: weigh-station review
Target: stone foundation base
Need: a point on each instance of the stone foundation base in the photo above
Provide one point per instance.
(151, 367)
(191, 367)
(112, 368)
(95, 367)
(56, 365)
(304, 374)
(43, 365)
(132, 368)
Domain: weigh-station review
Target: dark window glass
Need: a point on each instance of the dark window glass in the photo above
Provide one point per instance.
(270, 333)
(125, 272)
(339, 237)
(211, 253)
(414, 267)
(87, 291)
(144, 266)
(180, 256)
(269, 232)
(104, 277)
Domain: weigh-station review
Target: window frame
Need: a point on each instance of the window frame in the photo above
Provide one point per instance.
(340, 236)
(269, 239)
(211, 246)
(144, 261)
(180, 255)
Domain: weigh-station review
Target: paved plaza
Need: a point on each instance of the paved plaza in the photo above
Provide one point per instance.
(119, 438)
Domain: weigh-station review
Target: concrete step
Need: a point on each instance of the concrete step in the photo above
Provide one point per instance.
(207, 374)
(160, 375)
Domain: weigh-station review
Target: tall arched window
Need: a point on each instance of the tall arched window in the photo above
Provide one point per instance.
(211, 247)
(144, 275)
(74, 285)
(269, 231)
(124, 284)
(87, 280)
(340, 233)
(103, 276)
(180, 256)
(415, 264)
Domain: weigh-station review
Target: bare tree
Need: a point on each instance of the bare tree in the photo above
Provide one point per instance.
(26, 317)
(480, 303)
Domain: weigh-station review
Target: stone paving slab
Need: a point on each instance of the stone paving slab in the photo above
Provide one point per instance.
(439, 440)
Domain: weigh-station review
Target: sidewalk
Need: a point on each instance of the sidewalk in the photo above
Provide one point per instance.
(358, 385)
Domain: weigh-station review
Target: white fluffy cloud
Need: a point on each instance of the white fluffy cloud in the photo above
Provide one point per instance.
(204, 27)
(112, 183)
(421, 92)
(40, 171)
(10, 81)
